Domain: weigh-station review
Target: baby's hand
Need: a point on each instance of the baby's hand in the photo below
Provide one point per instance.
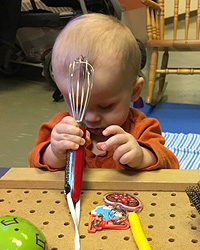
(66, 135)
(125, 147)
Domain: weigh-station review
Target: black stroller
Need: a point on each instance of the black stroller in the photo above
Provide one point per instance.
(36, 26)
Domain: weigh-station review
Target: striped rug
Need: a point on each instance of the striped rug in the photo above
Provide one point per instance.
(186, 148)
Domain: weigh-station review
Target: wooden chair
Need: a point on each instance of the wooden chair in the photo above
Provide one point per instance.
(156, 40)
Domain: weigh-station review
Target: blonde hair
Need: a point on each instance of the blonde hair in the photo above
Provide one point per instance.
(94, 36)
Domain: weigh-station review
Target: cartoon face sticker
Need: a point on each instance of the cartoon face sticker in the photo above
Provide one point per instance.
(18, 233)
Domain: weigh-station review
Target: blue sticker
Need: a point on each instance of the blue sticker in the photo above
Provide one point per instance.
(105, 210)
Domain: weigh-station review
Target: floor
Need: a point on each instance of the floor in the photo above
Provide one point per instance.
(26, 102)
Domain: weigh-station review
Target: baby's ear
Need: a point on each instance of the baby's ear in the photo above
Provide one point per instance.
(137, 88)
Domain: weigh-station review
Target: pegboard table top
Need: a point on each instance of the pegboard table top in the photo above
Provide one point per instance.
(168, 219)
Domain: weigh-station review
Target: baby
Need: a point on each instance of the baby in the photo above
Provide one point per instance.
(117, 136)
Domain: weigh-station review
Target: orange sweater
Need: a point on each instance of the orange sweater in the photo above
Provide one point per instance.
(145, 130)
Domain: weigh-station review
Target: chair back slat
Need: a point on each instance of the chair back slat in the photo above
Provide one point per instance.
(198, 21)
(176, 8)
(153, 22)
(158, 25)
(187, 18)
(153, 19)
(162, 19)
(149, 25)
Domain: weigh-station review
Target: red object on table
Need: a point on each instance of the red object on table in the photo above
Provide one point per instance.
(74, 171)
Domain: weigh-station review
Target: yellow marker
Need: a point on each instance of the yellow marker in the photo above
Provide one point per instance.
(138, 233)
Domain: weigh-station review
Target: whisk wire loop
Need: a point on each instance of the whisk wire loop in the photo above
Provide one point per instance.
(80, 84)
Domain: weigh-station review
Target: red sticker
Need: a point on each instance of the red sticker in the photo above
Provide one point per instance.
(126, 201)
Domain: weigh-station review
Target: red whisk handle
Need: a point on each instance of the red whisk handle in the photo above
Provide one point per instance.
(74, 169)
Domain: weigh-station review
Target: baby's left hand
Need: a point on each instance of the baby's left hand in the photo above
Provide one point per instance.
(125, 147)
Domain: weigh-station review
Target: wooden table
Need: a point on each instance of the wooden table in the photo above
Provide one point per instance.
(168, 219)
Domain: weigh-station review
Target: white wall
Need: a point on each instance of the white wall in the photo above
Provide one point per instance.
(136, 21)
(169, 9)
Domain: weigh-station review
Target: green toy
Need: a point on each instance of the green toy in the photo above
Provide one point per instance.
(17, 233)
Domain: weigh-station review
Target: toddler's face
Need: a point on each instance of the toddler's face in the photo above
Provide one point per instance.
(110, 100)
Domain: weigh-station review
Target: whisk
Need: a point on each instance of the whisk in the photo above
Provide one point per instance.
(79, 86)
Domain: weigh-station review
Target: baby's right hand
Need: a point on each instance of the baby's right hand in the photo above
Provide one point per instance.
(66, 135)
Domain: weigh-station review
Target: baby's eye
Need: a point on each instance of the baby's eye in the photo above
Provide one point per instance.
(107, 107)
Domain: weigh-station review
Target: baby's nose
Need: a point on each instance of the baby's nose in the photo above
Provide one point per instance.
(91, 116)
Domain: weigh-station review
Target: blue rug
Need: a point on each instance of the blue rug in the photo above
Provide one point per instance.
(175, 118)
